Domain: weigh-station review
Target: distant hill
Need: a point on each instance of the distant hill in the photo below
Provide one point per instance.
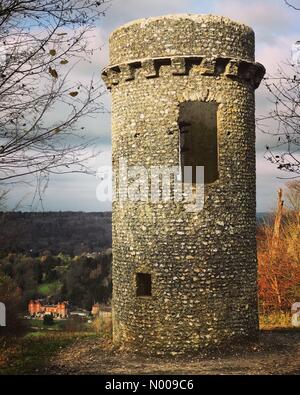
(69, 232)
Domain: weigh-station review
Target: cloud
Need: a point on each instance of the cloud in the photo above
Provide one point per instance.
(268, 181)
(271, 55)
(268, 18)
(276, 28)
(122, 11)
(67, 192)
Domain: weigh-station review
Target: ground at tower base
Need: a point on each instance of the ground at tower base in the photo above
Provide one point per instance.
(278, 352)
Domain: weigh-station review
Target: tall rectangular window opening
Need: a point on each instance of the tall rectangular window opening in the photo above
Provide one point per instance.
(143, 284)
(199, 138)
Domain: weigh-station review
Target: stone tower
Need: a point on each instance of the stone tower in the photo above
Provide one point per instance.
(183, 94)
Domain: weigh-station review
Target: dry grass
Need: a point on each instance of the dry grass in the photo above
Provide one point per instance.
(275, 320)
(103, 326)
(279, 265)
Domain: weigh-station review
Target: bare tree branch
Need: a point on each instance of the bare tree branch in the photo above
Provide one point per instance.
(43, 41)
(291, 5)
(283, 121)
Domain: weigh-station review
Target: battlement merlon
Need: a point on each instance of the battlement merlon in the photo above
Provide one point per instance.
(252, 72)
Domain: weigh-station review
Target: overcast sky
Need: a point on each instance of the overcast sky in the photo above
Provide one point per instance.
(276, 27)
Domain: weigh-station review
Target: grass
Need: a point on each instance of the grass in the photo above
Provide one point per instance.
(38, 325)
(275, 320)
(31, 353)
(48, 289)
(103, 326)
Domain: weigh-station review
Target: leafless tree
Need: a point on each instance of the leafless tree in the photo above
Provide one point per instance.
(284, 92)
(41, 42)
(283, 121)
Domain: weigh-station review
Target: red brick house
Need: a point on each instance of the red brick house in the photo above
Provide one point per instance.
(37, 308)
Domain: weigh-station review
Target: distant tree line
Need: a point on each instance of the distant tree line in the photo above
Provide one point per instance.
(71, 233)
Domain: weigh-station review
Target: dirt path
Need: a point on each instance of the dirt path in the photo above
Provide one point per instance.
(278, 352)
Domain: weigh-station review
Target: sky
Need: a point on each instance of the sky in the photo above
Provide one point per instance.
(276, 28)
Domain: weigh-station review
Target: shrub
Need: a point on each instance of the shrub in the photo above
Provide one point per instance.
(279, 260)
(48, 319)
(11, 296)
(103, 325)
(74, 325)
(275, 320)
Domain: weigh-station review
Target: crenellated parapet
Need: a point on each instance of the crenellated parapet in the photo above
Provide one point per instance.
(252, 72)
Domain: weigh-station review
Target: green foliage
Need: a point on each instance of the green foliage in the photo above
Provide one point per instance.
(49, 289)
(88, 280)
(48, 320)
(31, 353)
(81, 280)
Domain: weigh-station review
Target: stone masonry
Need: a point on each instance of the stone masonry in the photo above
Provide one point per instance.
(197, 269)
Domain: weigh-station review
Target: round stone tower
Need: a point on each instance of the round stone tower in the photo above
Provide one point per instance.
(183, 95)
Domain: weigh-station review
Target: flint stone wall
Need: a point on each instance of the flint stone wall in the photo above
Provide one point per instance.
(203, 264)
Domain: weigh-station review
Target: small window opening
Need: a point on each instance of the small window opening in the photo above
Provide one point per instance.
(143, 284)
(199, 138)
